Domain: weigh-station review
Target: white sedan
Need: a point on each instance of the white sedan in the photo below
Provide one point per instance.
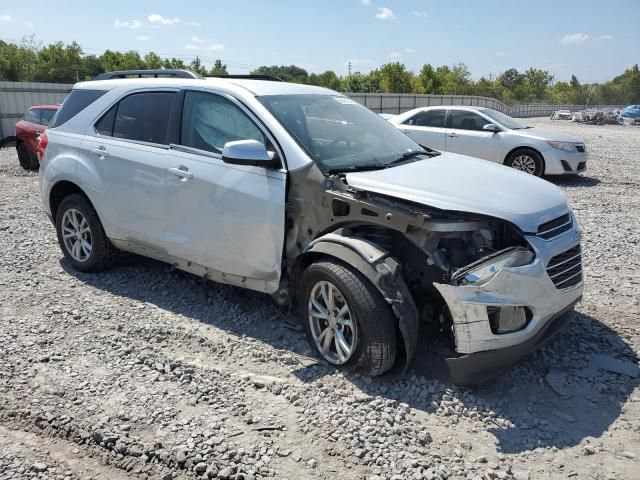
(491, 135)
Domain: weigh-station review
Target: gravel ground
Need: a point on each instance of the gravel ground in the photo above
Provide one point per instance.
(145, 372)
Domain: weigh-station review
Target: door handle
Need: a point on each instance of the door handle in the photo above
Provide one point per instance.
(406, 131)
(182, 172)
(101, 152)
(452, 135)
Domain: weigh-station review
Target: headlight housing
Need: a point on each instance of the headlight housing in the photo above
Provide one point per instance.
(483, 270)
(566, 146)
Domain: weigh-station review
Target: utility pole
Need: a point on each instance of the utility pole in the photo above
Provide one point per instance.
(349, 66)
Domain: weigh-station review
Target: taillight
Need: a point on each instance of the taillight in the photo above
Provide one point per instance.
(42, 144)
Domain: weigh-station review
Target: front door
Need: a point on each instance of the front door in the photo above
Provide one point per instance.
(466, 136)
(229, 218)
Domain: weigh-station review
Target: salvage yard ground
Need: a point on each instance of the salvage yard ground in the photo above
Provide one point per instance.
(145, 372)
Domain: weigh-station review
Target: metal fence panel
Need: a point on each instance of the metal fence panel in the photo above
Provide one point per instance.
(17, 97)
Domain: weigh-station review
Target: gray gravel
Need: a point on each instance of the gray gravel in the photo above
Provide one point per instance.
(145, 372)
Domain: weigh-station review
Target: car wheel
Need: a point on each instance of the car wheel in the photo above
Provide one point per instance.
(527, 161)
(28, 160)
(346, 319)
(81, 236)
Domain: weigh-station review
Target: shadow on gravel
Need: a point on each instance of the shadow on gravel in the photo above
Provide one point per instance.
(573, 180)
(552, 398)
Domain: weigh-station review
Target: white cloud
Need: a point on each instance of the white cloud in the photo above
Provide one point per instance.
(160, 20)
(192, 47)
(133, 24)
(385, 13)
(216, 47)
(195, 39)
(574, 38)
(606, 37)
(28, 24)
(365, 2)
(192, 23)
(420, 14)
(5, 18)
(142, 38)
(410, 51)
(395, 55)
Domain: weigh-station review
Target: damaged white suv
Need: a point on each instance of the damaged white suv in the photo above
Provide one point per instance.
(300, 192)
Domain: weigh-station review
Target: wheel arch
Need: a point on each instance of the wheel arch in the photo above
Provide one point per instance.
(62, 189)
(380, 268)
(526, 147)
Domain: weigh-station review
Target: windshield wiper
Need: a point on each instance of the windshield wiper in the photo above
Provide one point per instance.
(359, 167)
(413, 154)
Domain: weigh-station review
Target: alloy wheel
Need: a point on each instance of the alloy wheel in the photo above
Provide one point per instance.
(524, 163)
(333, 327)
(76, 235)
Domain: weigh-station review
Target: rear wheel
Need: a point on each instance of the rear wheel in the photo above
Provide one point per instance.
(346, 319)
(528, 161)
(27, 159)
(81, 236)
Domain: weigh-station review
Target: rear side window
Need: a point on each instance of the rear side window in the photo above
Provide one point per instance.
(76, 101)
(430, 118)
(32, 116)
(46, 117)
(141, 116)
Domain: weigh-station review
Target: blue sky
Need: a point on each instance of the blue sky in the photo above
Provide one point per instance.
(593, 39)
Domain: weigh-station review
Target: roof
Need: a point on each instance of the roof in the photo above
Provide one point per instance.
(49, 106)
(255, 87)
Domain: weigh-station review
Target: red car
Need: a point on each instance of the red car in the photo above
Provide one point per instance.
(28, 131)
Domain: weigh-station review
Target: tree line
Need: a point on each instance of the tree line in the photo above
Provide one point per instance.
(68, 63)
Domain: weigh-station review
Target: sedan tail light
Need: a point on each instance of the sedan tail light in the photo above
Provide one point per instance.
(43, 140)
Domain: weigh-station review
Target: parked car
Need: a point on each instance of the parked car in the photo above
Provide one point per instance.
(561, 115)
(302, 193)
(492, 135)
(28, 130)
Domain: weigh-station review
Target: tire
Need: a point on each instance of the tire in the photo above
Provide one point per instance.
(27, 159)
(101, 252)
(372, 333)
(526, 160)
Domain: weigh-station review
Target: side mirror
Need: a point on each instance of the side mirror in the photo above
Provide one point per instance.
(249, 152)
(491, 127)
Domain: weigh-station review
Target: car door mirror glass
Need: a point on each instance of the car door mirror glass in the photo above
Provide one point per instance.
(249, 152)
(490, 127)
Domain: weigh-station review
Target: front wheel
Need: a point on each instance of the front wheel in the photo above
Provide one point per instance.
(527, 161)
(346, 319)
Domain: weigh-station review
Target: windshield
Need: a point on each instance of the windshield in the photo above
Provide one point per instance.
(338, 133)
(503, 119)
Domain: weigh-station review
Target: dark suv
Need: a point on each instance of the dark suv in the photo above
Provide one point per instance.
(28, 131)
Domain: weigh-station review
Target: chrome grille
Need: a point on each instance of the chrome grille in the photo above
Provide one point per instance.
(565, 269)
(555, 227)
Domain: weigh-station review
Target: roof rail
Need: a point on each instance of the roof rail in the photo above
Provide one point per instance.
(270, 78)
(155, 73)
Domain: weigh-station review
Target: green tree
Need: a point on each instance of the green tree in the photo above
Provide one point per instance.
(197, 67)
(152, 61)
(218, 68)
(289, 73)
(394, 78)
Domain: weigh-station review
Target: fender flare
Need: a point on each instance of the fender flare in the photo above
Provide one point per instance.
(384, 272)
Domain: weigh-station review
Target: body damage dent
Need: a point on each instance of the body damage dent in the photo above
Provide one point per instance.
(384, 272)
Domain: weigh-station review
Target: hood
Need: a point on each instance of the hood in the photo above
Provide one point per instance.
(466, 184)
(542, 134)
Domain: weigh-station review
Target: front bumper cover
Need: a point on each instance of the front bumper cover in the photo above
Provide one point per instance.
(479, 367)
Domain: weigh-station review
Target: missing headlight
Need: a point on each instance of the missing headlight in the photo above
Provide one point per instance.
(508, 319)
(484, 269)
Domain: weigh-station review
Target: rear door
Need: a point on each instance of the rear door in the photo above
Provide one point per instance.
(466, 136)
(127, 147)
(427, 128)
(229, 218)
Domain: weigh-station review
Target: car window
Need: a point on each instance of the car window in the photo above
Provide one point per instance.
(143, 117)
(104, 126)
(209, 121)
(76, 101)
(465, 120)
(430, 118)
(46, 116)
(32, 116)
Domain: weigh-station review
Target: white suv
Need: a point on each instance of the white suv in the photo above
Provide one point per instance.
(492, 135)
(300, 192)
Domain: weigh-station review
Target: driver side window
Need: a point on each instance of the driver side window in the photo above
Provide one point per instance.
(209, 121)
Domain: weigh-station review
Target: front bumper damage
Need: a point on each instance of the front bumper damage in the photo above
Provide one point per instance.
(485, 353)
